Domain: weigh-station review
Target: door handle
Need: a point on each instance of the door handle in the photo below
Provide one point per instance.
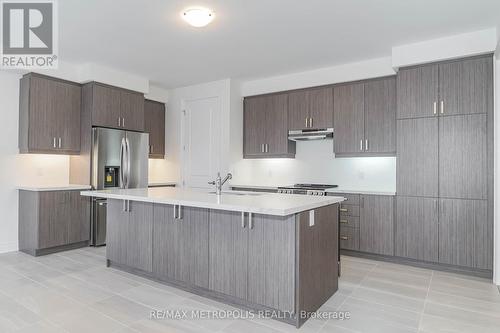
(344, 238)
(442, 107)
(54, 142)
(306, 122)
(243, 220)
(343, 221)
(435, 107)
(361, 144)
(123, 121)
(343, 210)
(250, 221)
(366, 144)
(179, 212)
(122, 164)
(267, 148)
(119, 122)
(310, 122)
(60, 142)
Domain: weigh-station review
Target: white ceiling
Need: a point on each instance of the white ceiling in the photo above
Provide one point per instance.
(254, 38)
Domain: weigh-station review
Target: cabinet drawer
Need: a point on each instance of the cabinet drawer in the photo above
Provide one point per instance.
(349, 238)
(349, 221)
(352, 199)
(349, 210)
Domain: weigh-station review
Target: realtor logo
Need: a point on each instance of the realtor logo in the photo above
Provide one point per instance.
(29, 34)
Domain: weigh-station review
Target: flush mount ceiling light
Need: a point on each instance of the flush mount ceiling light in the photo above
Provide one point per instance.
(198, 17)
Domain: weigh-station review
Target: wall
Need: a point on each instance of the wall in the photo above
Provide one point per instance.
(19, 169)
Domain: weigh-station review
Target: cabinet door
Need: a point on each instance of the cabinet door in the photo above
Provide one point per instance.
(271, 257)
(276, 125)
(228, 254)
(79, 222)
(129, 234)
(466, 86)
(154, 124)
(68, 98)
(417, 228)
(462, 157)
(254, 126)
(166, 242)
(321, 107)
(54, 219)
(194, 253)
(380, 116)
(132, 110)
(465, 238)
(348, 118)
(106, 106)
(417, 92)
(417, 157)
(44, 114)
(376, 224)
(298, 110)
(140, 236)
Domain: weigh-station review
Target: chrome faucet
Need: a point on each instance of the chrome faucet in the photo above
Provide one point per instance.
(218, 182)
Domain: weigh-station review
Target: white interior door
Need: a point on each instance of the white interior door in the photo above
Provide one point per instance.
(201, 141)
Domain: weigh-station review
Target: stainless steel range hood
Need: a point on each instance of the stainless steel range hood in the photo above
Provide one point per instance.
(310, 134)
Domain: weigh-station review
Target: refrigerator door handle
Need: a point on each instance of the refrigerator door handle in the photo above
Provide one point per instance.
(122, 164)
(128, 160)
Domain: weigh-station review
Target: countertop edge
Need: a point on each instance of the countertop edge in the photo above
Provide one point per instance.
(331, 200)
(71, 187)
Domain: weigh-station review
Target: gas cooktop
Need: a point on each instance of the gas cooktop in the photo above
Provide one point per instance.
(310, 189)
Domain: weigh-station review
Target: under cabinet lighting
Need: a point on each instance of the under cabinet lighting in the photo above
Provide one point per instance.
(198, 17)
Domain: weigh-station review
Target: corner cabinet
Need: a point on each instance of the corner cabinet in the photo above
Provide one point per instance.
(365, 118)
(265, 127)
(154, 124)
(114, 107)
(49, 115)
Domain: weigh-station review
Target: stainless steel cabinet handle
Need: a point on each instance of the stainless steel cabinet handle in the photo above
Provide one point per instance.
(175, 212)
(435, 107)
(243, 220)
(306, 122)
(250, 221)
(55, 142)
(180, 214)
(343, 221)
(310, 122)
(361, 144)
(119, 122)
(267, 148)
(442, 107)
(262, 148)
(343, 210)
(344, 237)
(60, 142)
(124, 205)
(123, 122)
(366, 144)
(151, 149)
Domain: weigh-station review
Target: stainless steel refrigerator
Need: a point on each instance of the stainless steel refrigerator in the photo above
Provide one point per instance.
(119, 160)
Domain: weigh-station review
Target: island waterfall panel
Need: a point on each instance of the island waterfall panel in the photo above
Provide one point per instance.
(286, 264)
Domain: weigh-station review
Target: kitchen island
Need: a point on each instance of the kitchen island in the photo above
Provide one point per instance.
(265, 252)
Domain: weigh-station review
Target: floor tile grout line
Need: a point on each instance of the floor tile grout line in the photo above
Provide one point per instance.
(425, 302)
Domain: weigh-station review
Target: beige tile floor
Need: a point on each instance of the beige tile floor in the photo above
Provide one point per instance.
(74, 292)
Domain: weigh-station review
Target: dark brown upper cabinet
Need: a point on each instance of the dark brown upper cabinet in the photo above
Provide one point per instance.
(265, 127)
(365, 118)
(114, 107)
(310, 108)
(154, 124)
(450, 88)
(49, 115)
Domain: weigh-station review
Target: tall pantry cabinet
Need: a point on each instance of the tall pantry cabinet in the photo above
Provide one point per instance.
(444, 163)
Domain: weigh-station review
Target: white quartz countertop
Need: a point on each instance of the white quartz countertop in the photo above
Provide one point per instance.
(258, 203)
(46, 188)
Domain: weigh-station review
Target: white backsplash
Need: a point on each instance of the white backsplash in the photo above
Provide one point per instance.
(314, 162)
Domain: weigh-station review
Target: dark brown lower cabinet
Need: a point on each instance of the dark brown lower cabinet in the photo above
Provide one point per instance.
(129, 234)
(376, 229)
(50, 221)
(417, 228)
